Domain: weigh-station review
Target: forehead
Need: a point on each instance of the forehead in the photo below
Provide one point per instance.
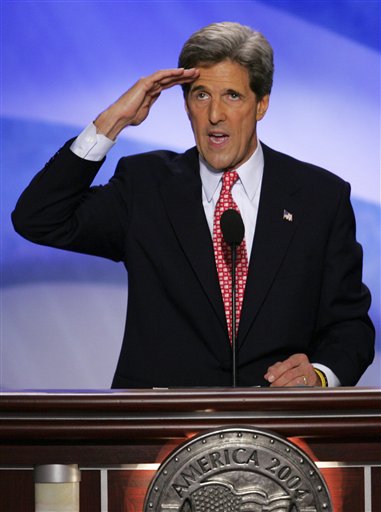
(226, 75)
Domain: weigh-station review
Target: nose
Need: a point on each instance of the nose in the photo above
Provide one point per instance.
(216, 111)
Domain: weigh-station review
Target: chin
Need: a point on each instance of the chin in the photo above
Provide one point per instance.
(218, 162)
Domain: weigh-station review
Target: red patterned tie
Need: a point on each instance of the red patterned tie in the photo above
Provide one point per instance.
(222, 253)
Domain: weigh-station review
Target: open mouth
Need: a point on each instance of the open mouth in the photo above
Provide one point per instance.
(218, 138)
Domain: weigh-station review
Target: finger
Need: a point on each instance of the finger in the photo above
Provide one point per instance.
(172, 75)
(302, 375)
(168, 78)
(273, 371)
(302, 380)
(295, 383)
(150, 87)
(279, 368)
(299, 362)
(292, 377)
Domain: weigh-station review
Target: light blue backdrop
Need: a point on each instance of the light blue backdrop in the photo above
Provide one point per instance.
(64, 61)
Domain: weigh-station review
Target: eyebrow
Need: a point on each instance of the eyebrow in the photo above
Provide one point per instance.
(197, 88)
(201, 87)
(233, 91)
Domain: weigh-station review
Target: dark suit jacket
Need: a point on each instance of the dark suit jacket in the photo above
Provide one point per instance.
(304, 292)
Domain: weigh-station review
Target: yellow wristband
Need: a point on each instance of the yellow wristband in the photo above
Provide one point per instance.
(322, 377)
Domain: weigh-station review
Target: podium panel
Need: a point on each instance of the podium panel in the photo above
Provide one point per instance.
(118, 439)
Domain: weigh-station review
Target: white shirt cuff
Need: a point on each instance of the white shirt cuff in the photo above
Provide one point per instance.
(91, 145)
(333, 381)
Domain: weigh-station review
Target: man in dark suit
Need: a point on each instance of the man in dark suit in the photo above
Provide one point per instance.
(304, 317)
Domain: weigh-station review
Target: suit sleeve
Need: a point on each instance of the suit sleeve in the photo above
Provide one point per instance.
(60, 209)
(345, 334)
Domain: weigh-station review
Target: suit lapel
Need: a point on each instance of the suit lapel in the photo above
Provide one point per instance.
(276, 224)
(182, 197)
(183, 201)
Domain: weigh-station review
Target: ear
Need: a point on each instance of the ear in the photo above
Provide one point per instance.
(262, 106)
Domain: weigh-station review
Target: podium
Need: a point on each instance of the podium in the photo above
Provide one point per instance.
(118, 439)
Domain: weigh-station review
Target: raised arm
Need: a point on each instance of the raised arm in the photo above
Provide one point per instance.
(60, 208)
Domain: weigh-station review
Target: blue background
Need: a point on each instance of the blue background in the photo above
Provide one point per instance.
(63, 62)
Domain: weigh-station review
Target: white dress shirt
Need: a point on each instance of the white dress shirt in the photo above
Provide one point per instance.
(245, 192)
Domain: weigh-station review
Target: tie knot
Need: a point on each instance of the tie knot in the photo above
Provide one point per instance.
(229, 178)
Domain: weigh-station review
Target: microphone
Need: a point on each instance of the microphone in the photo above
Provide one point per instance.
(233, 231)
(232, 227)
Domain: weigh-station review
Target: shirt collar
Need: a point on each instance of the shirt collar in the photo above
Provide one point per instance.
(250, 174)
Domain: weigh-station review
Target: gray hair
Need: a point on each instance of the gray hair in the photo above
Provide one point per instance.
(239, 43)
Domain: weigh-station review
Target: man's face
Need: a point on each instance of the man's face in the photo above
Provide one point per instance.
(223, 112)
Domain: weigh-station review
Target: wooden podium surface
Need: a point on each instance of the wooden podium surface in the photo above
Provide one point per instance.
(119, 438)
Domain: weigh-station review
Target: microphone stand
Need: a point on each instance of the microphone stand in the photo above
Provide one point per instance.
(234, 316)
(233, 231)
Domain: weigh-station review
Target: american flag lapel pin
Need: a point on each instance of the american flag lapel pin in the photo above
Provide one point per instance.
(287, 216)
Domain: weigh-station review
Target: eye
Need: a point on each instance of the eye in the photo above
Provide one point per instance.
(202, 95)
(233, 95)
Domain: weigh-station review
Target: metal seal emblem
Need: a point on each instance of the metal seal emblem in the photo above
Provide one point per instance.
(238, 470)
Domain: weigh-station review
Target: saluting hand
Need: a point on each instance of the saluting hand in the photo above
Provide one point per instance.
(133, 106)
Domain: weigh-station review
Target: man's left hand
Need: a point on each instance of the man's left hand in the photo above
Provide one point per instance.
(294, 371)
